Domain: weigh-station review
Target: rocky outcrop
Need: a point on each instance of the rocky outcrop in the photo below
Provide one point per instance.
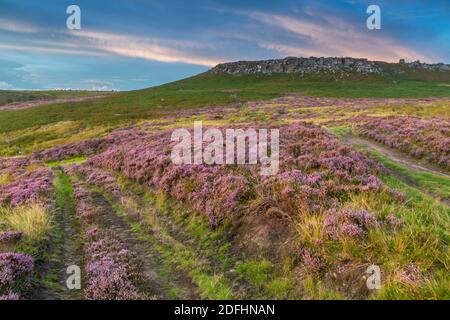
(299, 65)
(312, 65)
(428, 66)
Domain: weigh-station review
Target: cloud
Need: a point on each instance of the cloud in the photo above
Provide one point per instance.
(333, 37)
(96, 43)
(7, 86)
(17, 26)
(148, 48)
(98, 85)
(41, 48)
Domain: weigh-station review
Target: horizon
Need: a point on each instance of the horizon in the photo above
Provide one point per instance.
(126, 46)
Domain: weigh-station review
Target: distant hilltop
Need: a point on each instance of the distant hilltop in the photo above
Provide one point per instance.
(322, 64)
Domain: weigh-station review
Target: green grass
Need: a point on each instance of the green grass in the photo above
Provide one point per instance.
(74, 160)
(198, 260)
(431, 183)
(65, 213)
(206, 90)
(12, 96)
(424, 239)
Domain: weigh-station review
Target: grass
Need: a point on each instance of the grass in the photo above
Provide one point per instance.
(434, 184)
(197, 260)
(424, 240)
(62, 244)
(74, 160)
(34, 139)
(429, 182)
(34, 221)
(206, 90)
(12, 96)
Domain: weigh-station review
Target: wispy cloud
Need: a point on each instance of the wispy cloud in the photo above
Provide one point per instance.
(97, 43)
(98, 85)
(148, 48)
(7, 86)
(17, 26)
(335, 37)
(41, 48)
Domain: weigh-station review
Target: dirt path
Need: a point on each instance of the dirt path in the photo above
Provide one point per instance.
(405, 161)
(396, 156)
(150, 256)
(36, 103)
(65, 247)
(112, 222)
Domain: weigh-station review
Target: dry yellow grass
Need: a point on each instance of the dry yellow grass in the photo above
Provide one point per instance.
(34, 221)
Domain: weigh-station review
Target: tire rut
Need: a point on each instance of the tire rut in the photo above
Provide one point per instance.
(404, 160)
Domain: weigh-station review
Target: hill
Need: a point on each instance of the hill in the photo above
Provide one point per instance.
(362, 184)
(218, 87)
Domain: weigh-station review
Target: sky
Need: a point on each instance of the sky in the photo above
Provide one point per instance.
(133, 44)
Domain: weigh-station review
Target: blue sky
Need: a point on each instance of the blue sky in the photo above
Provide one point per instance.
(126, 44)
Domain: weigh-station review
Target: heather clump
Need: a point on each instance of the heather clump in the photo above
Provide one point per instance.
(15, 273)
(316, 171)
(86, 209)
(310, 260)
(411, 274)
(96, 177)
(112, 270)
(348, 222)
(427, 139)
(10, 296)
(86, 148)
(7, 237)
(31, 187)
(214, 190)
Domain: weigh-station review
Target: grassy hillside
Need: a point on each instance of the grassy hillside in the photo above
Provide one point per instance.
(221, 232)
(206, 90)
(12, 96)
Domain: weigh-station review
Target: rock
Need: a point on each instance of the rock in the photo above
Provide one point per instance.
(313, 65)
(299, 65)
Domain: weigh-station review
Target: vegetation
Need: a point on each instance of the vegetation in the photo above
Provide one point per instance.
(79, 191)
(13, 96)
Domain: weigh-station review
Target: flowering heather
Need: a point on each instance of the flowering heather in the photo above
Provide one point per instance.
(15, 272)
(112, 270)
(394, 222)
(315, 170)
(411, 273)
(427, 139)
(97, 177)
(309, 260)
(16, 166)
(348, 222)
(10, 296)
(213, 190)
(301, 101)
(32, 187)
(86, 209)
(10, 236)
(86, 147)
